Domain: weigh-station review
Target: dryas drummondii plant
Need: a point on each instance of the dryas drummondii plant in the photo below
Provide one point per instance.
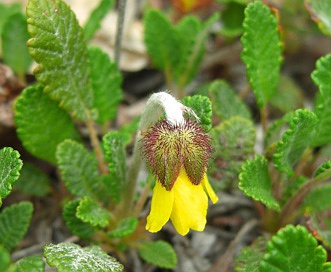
(79, 85)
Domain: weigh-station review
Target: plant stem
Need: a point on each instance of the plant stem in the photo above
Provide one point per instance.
(128, 197)
(294, 202)
(304, 159)
(144, 195)
(119, 30)
(96, 145)
(264, 118)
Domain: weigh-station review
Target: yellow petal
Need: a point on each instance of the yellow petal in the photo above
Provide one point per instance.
(190, 205)
(209, 190)
(161, 207)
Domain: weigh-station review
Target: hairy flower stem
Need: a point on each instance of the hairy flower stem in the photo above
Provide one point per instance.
(143, 197)
(96, 145)
(126, 207)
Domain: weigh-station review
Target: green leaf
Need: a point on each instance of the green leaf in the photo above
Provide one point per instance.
(106, 83)
(14, 222)
(288, 96)
(90, 211)
(10, 166)
(58, 46)
(79, 169)
(323, 171)
(14, 38)
(321, 13)
(274, 132)
(71, 257)
(41, 124)
(320, 224)
(261, 51)
(97, 15)
(191, 36)
(294, 249)
(158, 253)
(225, 101)
(115, 156)
(295, 140)
(234, 141)
(255, 182)
(251, 256)
(161, 40)
(76, 225)
(125, 227)
(6, 11)
(318, 198)
(322, 78)
(201, 105)
(232, 18)
(31, 263)
(4, 258)
(33, 181)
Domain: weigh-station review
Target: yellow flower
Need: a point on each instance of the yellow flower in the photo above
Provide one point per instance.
(177, 155)
(185, 204)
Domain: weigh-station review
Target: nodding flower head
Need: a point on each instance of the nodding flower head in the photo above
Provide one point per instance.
(169, 147)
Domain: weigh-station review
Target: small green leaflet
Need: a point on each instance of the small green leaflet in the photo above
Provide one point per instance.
(323, 172)
(161, 40)
(76, 225)
(255, 182)
(321, 13)
(91, 212)
(4, 258)
(14, 222)
(8, 10)
(201, 105)
(322, 78)
(191, 38)
(14, 38)
(251, 256)
(294, 249)
(31, 263)
(115, 156)
(225, 101)
(318, 199)
(41, 124)
(10, 166)
(33, 181)
(125, 227)
(94, 21)
(106, 82)
(261, 51)
(58, 46)
(71, 257)
(295, 140)
(159, 253)
(79, 169)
